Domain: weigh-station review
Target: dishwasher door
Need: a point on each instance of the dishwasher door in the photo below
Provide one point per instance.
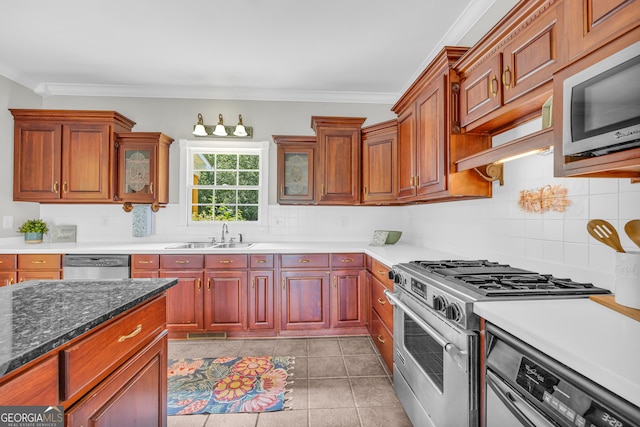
(96, 266)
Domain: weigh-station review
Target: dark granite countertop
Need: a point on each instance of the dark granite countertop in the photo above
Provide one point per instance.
(39, 316)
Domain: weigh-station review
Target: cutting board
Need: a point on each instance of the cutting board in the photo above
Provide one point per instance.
(610, 301)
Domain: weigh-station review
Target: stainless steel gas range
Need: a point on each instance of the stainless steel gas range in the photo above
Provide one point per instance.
(436, 348)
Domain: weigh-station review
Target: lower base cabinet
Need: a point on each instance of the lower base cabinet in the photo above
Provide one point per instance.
(305, 300)
(134, 395)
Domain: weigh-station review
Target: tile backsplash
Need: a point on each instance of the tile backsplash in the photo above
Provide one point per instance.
(497, 228)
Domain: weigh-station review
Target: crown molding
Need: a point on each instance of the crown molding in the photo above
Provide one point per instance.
(190, 92)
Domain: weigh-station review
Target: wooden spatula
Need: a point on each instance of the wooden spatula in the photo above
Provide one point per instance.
(604, 232)
(632, 229)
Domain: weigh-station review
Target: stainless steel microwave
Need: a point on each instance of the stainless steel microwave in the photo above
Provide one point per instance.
(601, 106)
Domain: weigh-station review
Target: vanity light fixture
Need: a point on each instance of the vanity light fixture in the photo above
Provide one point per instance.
(240, 130)
(220, 130)
(199, 130)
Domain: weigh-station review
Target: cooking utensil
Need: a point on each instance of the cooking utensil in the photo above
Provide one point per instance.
(606, 233)
(632, 228)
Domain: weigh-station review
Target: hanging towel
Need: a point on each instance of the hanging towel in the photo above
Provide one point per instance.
(142, 222)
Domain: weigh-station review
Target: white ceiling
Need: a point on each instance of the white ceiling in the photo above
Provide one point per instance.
(320, 50)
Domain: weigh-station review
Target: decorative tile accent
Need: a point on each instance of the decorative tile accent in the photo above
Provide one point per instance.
(547, 198)
(142, 221)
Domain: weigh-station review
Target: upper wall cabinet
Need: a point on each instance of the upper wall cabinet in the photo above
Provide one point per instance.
(296, 166)
(66, 156)
(338, 159)
(379, 163)
(430, 140)
(143, 167)
(507, 76)
(592, 24)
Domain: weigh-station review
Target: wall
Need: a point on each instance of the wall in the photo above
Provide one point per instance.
(552, 242)
(12, 95)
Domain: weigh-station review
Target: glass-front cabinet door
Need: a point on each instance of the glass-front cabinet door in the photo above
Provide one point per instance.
(137, 172)
(143, 167)
(296, 169)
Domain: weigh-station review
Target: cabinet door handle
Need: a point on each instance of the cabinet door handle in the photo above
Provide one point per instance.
(382, 340)
(322, 190)
(198, 284)
(282, 190)
(144, 262)
(335, 282)
(151, 188)
(209, 283)
(38, 261)
(56, 187)
(183, 261)
(226, 261)
(365, 190)
(135, 332)
(346, 260)
(64, 187)
(381, 272)
(261, 261)
(253, 283)
(283, 284)
(494, 87)
(11, 281)
(381, 301)
(304, 260)
(506, 72)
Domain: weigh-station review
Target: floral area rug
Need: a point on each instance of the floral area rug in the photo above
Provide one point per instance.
(228, 385)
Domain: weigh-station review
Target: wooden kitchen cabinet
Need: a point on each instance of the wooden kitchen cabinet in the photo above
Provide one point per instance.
(348, 281)
(225, 305)
(143, 167)
(337, 172)
(261, 293)
(135, 394)
(8, 269)
(516, 58)
(430, 140)
(66, 156)
(590, 25)
(39, 267)
(185, 301)
(379, 163)
(145, 266)
(296, 169)
(304, 303)
(381, 322)
(36, 384)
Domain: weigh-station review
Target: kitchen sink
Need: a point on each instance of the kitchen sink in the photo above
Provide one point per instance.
(233, 245)
(209, 245)
(192, 245)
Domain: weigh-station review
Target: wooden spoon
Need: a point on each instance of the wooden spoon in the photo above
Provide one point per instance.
(604, 232)
(633, 231)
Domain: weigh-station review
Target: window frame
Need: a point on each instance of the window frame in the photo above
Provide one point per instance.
(189, 147)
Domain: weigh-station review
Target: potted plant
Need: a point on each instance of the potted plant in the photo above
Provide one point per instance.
(33, 230)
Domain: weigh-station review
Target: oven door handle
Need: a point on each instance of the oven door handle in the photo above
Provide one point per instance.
(460, 357)
(526, 413)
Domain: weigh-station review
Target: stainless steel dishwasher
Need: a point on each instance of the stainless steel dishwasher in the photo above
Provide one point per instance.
(96, 266)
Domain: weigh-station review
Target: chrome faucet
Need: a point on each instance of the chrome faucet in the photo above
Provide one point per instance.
(225, 230)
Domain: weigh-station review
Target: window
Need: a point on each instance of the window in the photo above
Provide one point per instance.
(224, 181)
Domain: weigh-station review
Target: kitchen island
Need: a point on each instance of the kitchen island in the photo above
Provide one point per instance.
(81, 343)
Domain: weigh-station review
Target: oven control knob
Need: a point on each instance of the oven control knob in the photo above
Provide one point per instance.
(453, 312)
(439, 303)
(396, 276)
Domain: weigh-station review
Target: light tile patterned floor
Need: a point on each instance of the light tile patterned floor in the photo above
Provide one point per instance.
(338, 382)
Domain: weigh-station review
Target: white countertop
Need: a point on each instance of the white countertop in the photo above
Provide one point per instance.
(388, 254)
(595, 341)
